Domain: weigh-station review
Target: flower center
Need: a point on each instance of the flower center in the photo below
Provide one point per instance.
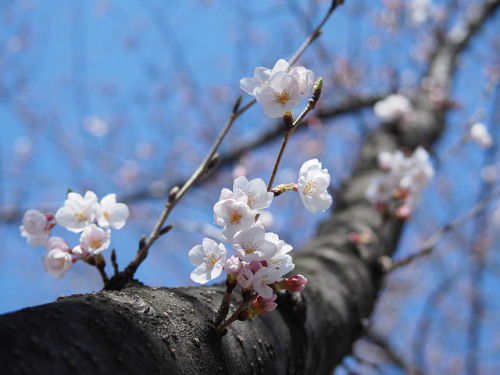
(310, 188)
(82, 216)
(95, 243)
(210, 260)
(275, 262)
(282, 97)
(234, 217)
(250, 248)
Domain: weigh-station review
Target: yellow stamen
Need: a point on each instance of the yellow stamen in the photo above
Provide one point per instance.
(250, 248)
(234, 217)
(210, 260)
(282, 97)
(310, 188)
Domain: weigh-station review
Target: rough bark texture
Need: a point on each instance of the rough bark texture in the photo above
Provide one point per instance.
(168, 331)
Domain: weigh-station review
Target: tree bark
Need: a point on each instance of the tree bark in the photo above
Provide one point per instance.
(169, 331)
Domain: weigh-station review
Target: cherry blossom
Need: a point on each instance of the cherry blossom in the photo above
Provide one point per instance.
(233, 265)
(94, 240)
(393, 108)
(245, 277)
(295, 283)
(233, 215)
(251, 244)
(256, 192)
(405, 176)
(479, 134)
(209, 260)
(78, 212)
(279, 96)
(305, 78)
(57, 243)
(57, 263)
(111, 213)
(261, 280)
(281, 261)
(261, 77)
(262, 306)
(34, 228)
(278, 90)
(312, 186)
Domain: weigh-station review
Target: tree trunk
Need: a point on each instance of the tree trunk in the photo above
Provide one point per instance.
(169, 331)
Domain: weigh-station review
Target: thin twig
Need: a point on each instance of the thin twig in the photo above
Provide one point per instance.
(143, 250)
(233, 317)
(429, 244)
(100, 263)
(224, 306)
(311, 104)
(316, 32)
(113, 262)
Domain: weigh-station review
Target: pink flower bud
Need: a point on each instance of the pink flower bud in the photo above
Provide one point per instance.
(261, 306)
(245, 277)
(295, 283)
(233, 265)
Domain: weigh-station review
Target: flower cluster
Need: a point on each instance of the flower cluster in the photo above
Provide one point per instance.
(404, 178)
(280, 89)
(85, 215)
(395, 107)
(260, 259)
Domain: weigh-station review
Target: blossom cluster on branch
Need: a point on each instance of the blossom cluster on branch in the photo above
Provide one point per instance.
(85, 215)
(260, 259)
(404, 178)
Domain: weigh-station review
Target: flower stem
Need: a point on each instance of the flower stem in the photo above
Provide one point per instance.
(233, 317)
(224, 306)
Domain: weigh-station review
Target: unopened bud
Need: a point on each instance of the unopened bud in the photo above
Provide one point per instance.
(233, 265)
(295, 283)
(173, 193)
(318, 86)
(237, 104)
(245, 277)
(288, 120)
(261, 306)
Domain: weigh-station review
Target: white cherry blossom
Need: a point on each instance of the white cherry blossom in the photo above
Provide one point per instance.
(57, 243)
(258, 197)
(392, 108)
(78, 212)
(479, 134)
(262, 279)
(261, 77)
(280, 95)
(57, 263)
(209, 259)
(34, 228)
(251, 244)
(94, 240)
(111, 213)
(281, 261)
(312, 186)
(233, 215)
(305, 78)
